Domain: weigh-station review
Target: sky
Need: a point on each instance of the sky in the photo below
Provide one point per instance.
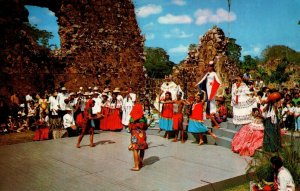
(175, 24)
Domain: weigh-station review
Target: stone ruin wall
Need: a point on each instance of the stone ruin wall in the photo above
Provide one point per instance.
(101, 45)
(212, 47)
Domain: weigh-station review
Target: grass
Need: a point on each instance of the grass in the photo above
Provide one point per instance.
(243, 187)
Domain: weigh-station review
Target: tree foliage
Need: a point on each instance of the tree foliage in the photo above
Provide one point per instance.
(281, 52)
(42, 37)
(157, 62)
(233, 51)
(249, 63)
(192, 47)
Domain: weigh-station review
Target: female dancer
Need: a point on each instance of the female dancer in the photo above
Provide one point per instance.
(196, 120)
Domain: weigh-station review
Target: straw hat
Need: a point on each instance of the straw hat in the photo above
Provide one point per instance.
(72, 93)
(63, 89)
(81, 88)
(117, 90)
(95, 88)
(104, 94)
(106, 90)
(86, 94)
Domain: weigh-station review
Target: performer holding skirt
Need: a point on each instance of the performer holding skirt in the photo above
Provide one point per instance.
(196, 120)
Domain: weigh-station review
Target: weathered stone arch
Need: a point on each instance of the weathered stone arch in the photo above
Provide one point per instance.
(100, 40)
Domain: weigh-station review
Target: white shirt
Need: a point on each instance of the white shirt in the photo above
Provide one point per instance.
(285, 180)
(53, 105)
(61, 100)
(68, 120)
(97, 107)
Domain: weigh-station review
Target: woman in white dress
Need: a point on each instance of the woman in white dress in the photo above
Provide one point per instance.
(242, 102)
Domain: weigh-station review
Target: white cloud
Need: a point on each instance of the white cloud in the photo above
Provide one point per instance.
(172, 19)
(147, 10)
(150, 36)
(149, 26)
(177, 33)
(48, 12)
(255, 50)
(179, 2)
(34, 20)
(204, 16)
(180, 49)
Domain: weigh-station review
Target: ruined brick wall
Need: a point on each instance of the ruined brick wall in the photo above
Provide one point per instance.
(101, 44)
(212, 47)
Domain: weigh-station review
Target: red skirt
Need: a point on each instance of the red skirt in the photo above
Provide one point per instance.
(104, 120)
(177, 121)
(114, 121)
(41, 133)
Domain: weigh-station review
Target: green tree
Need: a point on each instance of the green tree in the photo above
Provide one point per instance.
(233, 51)
(281, 52)
(249, 63)
(192, 47)
(280, 75)
(40, 36)
(157, 62)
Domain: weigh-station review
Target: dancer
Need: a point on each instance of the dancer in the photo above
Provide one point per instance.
(250, 137)
(138, 126)
(178, 117)
(166, 117)
(196, 120)
(87, 123)
(242, 103)
(210, 83)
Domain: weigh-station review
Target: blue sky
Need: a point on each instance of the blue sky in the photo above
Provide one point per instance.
(175, 24)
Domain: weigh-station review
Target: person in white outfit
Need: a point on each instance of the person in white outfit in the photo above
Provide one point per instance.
(282, 178)
(69, 122)
(128, 103)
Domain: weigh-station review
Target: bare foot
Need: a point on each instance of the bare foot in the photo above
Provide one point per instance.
(135, 169)
(201, 142)
(217, 126)
(92, 145)
(77, 146)
(214, 136)
(174, 140)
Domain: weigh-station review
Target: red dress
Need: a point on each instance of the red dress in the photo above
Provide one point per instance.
(248, 139)
(114, 121)
(138, 134)
(103, 121)
(197, 112)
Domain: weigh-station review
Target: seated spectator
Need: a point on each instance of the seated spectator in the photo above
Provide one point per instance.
(221, 114)
(69, 122)
(31, 114)
(42, 130)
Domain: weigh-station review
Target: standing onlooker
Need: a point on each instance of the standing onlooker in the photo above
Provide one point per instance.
(61, 97)
(297, 118)
(128, 103)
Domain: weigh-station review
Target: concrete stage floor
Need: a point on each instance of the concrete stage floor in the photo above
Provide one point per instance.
(59, 165)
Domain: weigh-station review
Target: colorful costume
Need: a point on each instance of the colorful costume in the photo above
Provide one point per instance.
(177, 118)
(210, 83)
(249, 138)
(166, 118)
(86, 122)
(138, 127)
(196, 119)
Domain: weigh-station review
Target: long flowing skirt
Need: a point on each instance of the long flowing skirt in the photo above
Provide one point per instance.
(242, 112)
(246, 141)
(196, 126)
(114, 121)
(166, 124)
(104, 120)
(271, 136)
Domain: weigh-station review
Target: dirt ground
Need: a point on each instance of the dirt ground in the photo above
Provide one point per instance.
(14, 138)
